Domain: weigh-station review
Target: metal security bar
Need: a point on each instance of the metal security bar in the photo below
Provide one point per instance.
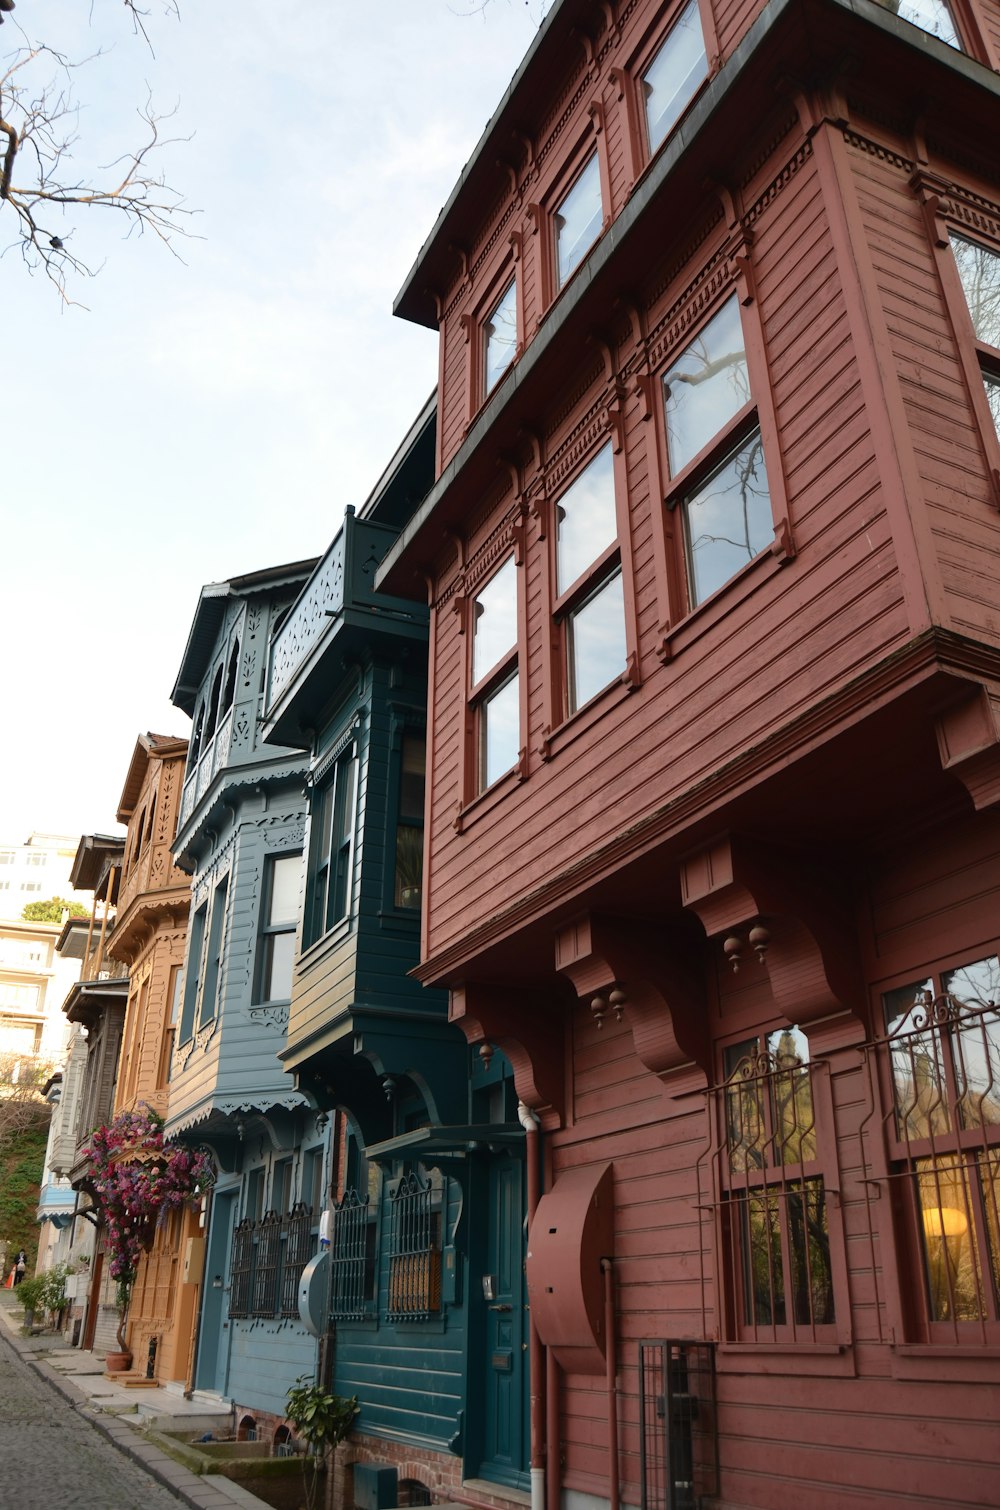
(414, 1256)
(265, 1279)
(349, 1257)
(297, 1231)
(241, 1269)
(678, 1427)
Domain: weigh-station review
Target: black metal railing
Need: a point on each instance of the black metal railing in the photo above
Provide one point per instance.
(265, 1279)
(241, 1269)
(414, 1254)
(297, 1232)
(678, 1425)
(351, 1245)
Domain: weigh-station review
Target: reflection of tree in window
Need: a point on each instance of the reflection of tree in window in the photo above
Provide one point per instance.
(779, 1230)
(979, 270)
(500, 337)
(590, 593)
(943, 1060)
(707, 401)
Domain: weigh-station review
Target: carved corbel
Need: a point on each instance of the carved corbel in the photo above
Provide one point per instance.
(805, 931)
(932, 193)
(654, 984)
(511, 172)
(616, 77)
(516, 243)
(968, 737)
(596, 112)
(463, 258)
(526, 1022)
(468, 325)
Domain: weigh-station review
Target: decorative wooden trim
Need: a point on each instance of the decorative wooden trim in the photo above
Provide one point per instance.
(528, 1026)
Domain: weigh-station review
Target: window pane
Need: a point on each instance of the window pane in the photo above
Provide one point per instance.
(578, 220)
(674, 75)
(596, 635)
(975, 1041)
(794, 1136)
(279, 957)
(917, 1064)
(285, 890)
(810, 1276)
(411, 781)
(930, 15)
(585, 519)
(951, 1258)
(979, 270)
(500, 337)
(763, 1271)
(992, 386)
(409, 864)
(494, 624)
(728, 519)
(500, 731)
(706, 386)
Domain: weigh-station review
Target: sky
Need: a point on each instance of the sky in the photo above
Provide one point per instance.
(205, 417)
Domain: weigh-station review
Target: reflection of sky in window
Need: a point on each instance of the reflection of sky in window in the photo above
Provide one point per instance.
(578, 220)
(500, 731)
(930, 15)
(706, 386)
(285, 889)
(977, 1041)
(494, 630)
(586, 523)
(729, 519)
(597, 635)
(674, 74)
(500, 337)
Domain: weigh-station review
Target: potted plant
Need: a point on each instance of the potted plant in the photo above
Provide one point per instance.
(322, 1420)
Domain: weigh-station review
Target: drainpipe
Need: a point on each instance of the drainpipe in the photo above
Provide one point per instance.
(536, 1353)
(607, 1268)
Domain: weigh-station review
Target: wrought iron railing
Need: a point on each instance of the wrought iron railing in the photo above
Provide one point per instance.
(297, 1230)
(678, 1425)
(351, 1250)
(265, 1279)
(414, 1251)
(241, 1269)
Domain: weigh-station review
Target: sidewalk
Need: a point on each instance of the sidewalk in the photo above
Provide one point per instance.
(125, 1415)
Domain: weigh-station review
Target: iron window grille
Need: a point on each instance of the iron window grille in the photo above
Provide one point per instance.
(678, 1425)
(296, 1230)
(776, 1271)
(352, 1257)
(266, 1269)
(414, 1251)
(241, 1268)
(941, 1059)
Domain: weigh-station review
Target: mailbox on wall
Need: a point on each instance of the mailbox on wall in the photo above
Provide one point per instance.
(572, 1231)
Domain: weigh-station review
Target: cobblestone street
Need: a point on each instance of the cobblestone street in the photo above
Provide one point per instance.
(51, 1456)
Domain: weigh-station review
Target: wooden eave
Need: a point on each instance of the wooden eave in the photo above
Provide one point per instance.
(789, 40)
(147, 747)
(89, 1000)
(95, 856)
(225, 790)
(145, 914)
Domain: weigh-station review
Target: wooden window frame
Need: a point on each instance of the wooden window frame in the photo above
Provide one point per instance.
(628, 81)
(215, 953)
(396, 819)
(495, 677)
(268, 931)
(985, 358)
(197, 938)
(171, 1025)
(330, 862)
(674, 587)
(590, 142)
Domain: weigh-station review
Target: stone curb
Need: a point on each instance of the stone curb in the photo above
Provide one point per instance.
(200, 1492)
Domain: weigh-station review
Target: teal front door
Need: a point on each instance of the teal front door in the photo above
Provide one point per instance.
(212, 1369)
(505, 1434)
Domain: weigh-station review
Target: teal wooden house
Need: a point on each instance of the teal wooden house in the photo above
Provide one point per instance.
(426, 1199)
(240, 836)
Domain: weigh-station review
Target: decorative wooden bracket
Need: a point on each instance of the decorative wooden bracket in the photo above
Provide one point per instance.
(968, 737)
(654, 982)
(527, 1023)
(810, 945)
(932, 192)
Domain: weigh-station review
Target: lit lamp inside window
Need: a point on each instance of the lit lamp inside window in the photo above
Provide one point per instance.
(944, 1222)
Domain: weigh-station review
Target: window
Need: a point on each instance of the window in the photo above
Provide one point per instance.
(410, 823)
(213, 957)
(196, 944)
(31, 886)
(930, 15)
(174, 991)
(414, 1250)
(353, 1237)
(500, 337)
(36, 859)
(229, 692)
(979, 270)
(714, 445)
(331, 849)
(589, 592)
(942, 1057)
(296, 1229)
(194, 749)
(778, 1270)
(279, 917)
(495, 683)
(674, 74)
(213, 706)
(578, 219)
(241, 1268)
(7, 857)
(281, 1186)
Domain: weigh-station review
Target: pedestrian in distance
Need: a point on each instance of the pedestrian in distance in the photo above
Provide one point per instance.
(20, 1266)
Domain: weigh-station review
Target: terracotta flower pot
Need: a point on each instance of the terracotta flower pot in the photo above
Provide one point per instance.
(118, 1363)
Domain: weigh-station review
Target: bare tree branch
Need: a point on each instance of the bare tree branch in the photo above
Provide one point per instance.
(39, 121)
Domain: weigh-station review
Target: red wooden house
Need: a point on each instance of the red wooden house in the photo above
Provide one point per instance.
(713, 836)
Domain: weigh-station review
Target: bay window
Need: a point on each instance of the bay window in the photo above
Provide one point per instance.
(331, 848)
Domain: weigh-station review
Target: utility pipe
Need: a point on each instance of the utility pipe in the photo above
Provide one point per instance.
(536, 1353)
(611, 1366)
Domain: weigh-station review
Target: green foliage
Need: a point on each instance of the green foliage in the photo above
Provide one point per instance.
(21, 1165)
(52, 911)
(30, 1293)
(321, 1420)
